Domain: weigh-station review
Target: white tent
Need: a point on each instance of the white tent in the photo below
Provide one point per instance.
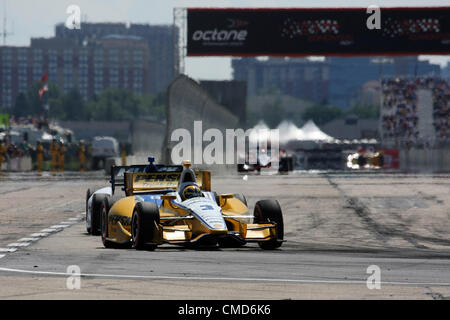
(311, 132)
(260, 132)
(309, 136)
(288, 131)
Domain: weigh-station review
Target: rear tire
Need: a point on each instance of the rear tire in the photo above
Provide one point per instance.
(107, 203)
(88, 223)
(269, 211)
(145, 214)
(96, 211)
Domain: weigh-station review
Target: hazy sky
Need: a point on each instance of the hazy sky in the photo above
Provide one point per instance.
(28, 18)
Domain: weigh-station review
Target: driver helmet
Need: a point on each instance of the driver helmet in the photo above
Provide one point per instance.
(191, 191)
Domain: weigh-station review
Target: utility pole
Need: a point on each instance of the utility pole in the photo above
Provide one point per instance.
(5, 33)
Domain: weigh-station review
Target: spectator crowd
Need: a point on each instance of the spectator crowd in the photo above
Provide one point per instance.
(441, 110)
(399, 114)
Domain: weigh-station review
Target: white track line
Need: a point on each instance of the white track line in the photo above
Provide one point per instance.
(65, 274)
(19, 244)
(25, 242)
(39, 234)
(59, 226)
(28, 239)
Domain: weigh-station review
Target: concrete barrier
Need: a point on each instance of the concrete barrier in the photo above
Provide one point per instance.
(147, 138)
(19, 164)
(188, 102)
(425, 160)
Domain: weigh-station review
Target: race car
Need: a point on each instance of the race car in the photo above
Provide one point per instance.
(93, 205)
(95, 198)
(264, 159)
(371, 158)
(175, 205)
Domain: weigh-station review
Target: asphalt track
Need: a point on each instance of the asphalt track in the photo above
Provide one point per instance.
(336, 226)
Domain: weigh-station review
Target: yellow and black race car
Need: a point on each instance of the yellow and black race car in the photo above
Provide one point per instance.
(175, 205)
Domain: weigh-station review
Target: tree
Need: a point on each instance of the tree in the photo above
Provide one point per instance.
(55, 102)
(31, 104)
(21, 107)
(273, 113)
(119, 104)
(322, 114)
(111, 104)
(73, 106)
(154, 106)
(366, 111)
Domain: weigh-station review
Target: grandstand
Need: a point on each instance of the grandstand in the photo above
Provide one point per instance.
(415, 112)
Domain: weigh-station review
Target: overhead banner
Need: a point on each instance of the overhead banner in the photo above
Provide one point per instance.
(302, 32)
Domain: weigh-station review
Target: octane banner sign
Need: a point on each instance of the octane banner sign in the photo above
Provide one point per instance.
(297, 32)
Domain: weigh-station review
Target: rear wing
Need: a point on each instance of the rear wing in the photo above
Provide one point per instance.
(138, 182)
(118, 172)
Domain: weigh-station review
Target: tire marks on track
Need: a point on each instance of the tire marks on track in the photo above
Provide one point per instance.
(383, 232)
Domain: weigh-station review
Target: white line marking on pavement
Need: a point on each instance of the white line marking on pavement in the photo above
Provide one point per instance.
(25, 242)
(27, 239)
(59, 226)
(65, 274)
(39, 234)
(19, 244)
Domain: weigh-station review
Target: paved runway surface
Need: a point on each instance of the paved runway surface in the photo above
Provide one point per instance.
(336, 226)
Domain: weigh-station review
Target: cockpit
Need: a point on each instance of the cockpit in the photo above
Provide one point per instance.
(187, 185)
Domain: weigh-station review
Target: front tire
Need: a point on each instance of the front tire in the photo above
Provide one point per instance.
(269, 211)
(143, 229)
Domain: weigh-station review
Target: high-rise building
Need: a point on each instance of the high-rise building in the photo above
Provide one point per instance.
(110, 62)
(348, 75)
(336, 80)
(299, 77)
(160, 39)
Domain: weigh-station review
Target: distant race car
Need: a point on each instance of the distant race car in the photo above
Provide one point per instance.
(374, 159)
(175, 205)
(286, 161)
